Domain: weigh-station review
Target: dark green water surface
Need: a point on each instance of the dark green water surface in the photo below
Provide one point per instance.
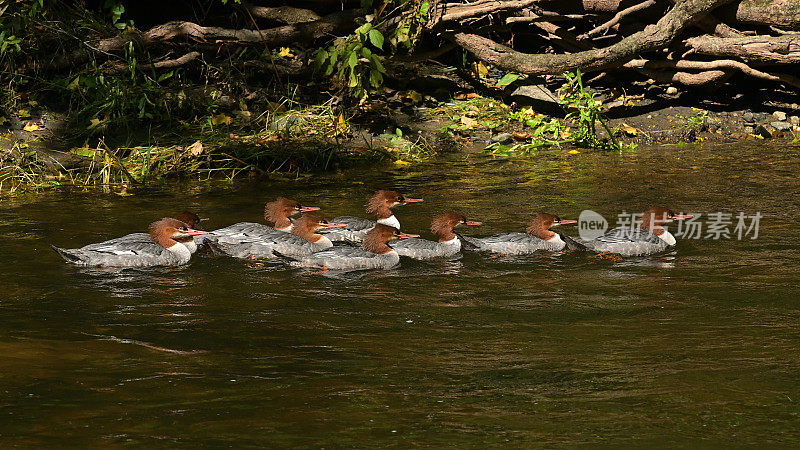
(697, 346)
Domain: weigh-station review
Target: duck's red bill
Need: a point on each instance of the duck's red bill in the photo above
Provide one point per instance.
(193, 232)
(412, 200)
(335, 225)
(306, 209)
(407, 236)
(682, 216)
(472, 222)
(567, 222)
(204, 219)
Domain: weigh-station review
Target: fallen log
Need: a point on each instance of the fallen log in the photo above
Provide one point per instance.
(285, 14)
(718, 65)
(780, 13)
(333, 24)
(752, 49)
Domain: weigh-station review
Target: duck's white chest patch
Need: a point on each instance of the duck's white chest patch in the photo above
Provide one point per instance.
(391, 221)
(181, 251)
(453, 241)
(323, 242)
(667, 237)
(557, 241)
(190, 245)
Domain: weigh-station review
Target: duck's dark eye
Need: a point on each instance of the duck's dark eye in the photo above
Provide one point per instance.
(400, 199)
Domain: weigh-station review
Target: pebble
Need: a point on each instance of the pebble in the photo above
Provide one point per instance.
(795, 120)
(749, 117)
(779, 115)
(749, 129)
(502, 138)
(763, 131)
(672, 90)
(781, 126)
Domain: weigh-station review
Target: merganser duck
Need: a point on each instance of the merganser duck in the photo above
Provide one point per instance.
(163, 249)
(375, 252)
(189, 218)
(442, 227)
(537, 236)
(648, 238)
(278, 212)
(381, 205)
(303, 240)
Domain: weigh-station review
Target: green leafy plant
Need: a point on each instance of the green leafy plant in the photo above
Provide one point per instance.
(584, 110)
(697, 122)
(357, 67)
(116, 9)
(411, 24)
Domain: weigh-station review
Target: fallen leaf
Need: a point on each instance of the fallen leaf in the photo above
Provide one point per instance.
(24, 114)
(83, 151)
(627, 129)
(400, 162)
(285, 53)
(195, 149)
(479, 69)
(30, 126)
(574, 152)
(220, 119)
(412, 95)
(466, 96)
(96, 123)
(521, 136)
(469, 123)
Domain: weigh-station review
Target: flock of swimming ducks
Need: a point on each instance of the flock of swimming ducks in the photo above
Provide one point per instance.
(353, 243)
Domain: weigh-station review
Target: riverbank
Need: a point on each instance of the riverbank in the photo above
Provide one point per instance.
(401, 127)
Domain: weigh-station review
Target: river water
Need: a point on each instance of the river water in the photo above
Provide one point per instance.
(699, 345)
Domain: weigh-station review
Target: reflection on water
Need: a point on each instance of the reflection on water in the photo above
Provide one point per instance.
(699, 344)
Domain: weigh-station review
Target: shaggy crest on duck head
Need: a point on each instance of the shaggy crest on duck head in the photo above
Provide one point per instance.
(189, 218)
(443, 224)
(167, 231)
(382, 201)
(279, 210)
(307, 226)
(540, 226)
(376, 240)
(655, 217)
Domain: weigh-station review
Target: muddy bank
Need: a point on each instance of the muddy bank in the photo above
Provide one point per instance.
(402, 125)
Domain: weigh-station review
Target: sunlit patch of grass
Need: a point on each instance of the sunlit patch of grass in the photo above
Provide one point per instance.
(292, 142)
(477, 112)
(698, 122)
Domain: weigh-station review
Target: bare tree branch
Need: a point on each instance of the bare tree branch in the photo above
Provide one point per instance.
(617, 17)
(652, 38)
